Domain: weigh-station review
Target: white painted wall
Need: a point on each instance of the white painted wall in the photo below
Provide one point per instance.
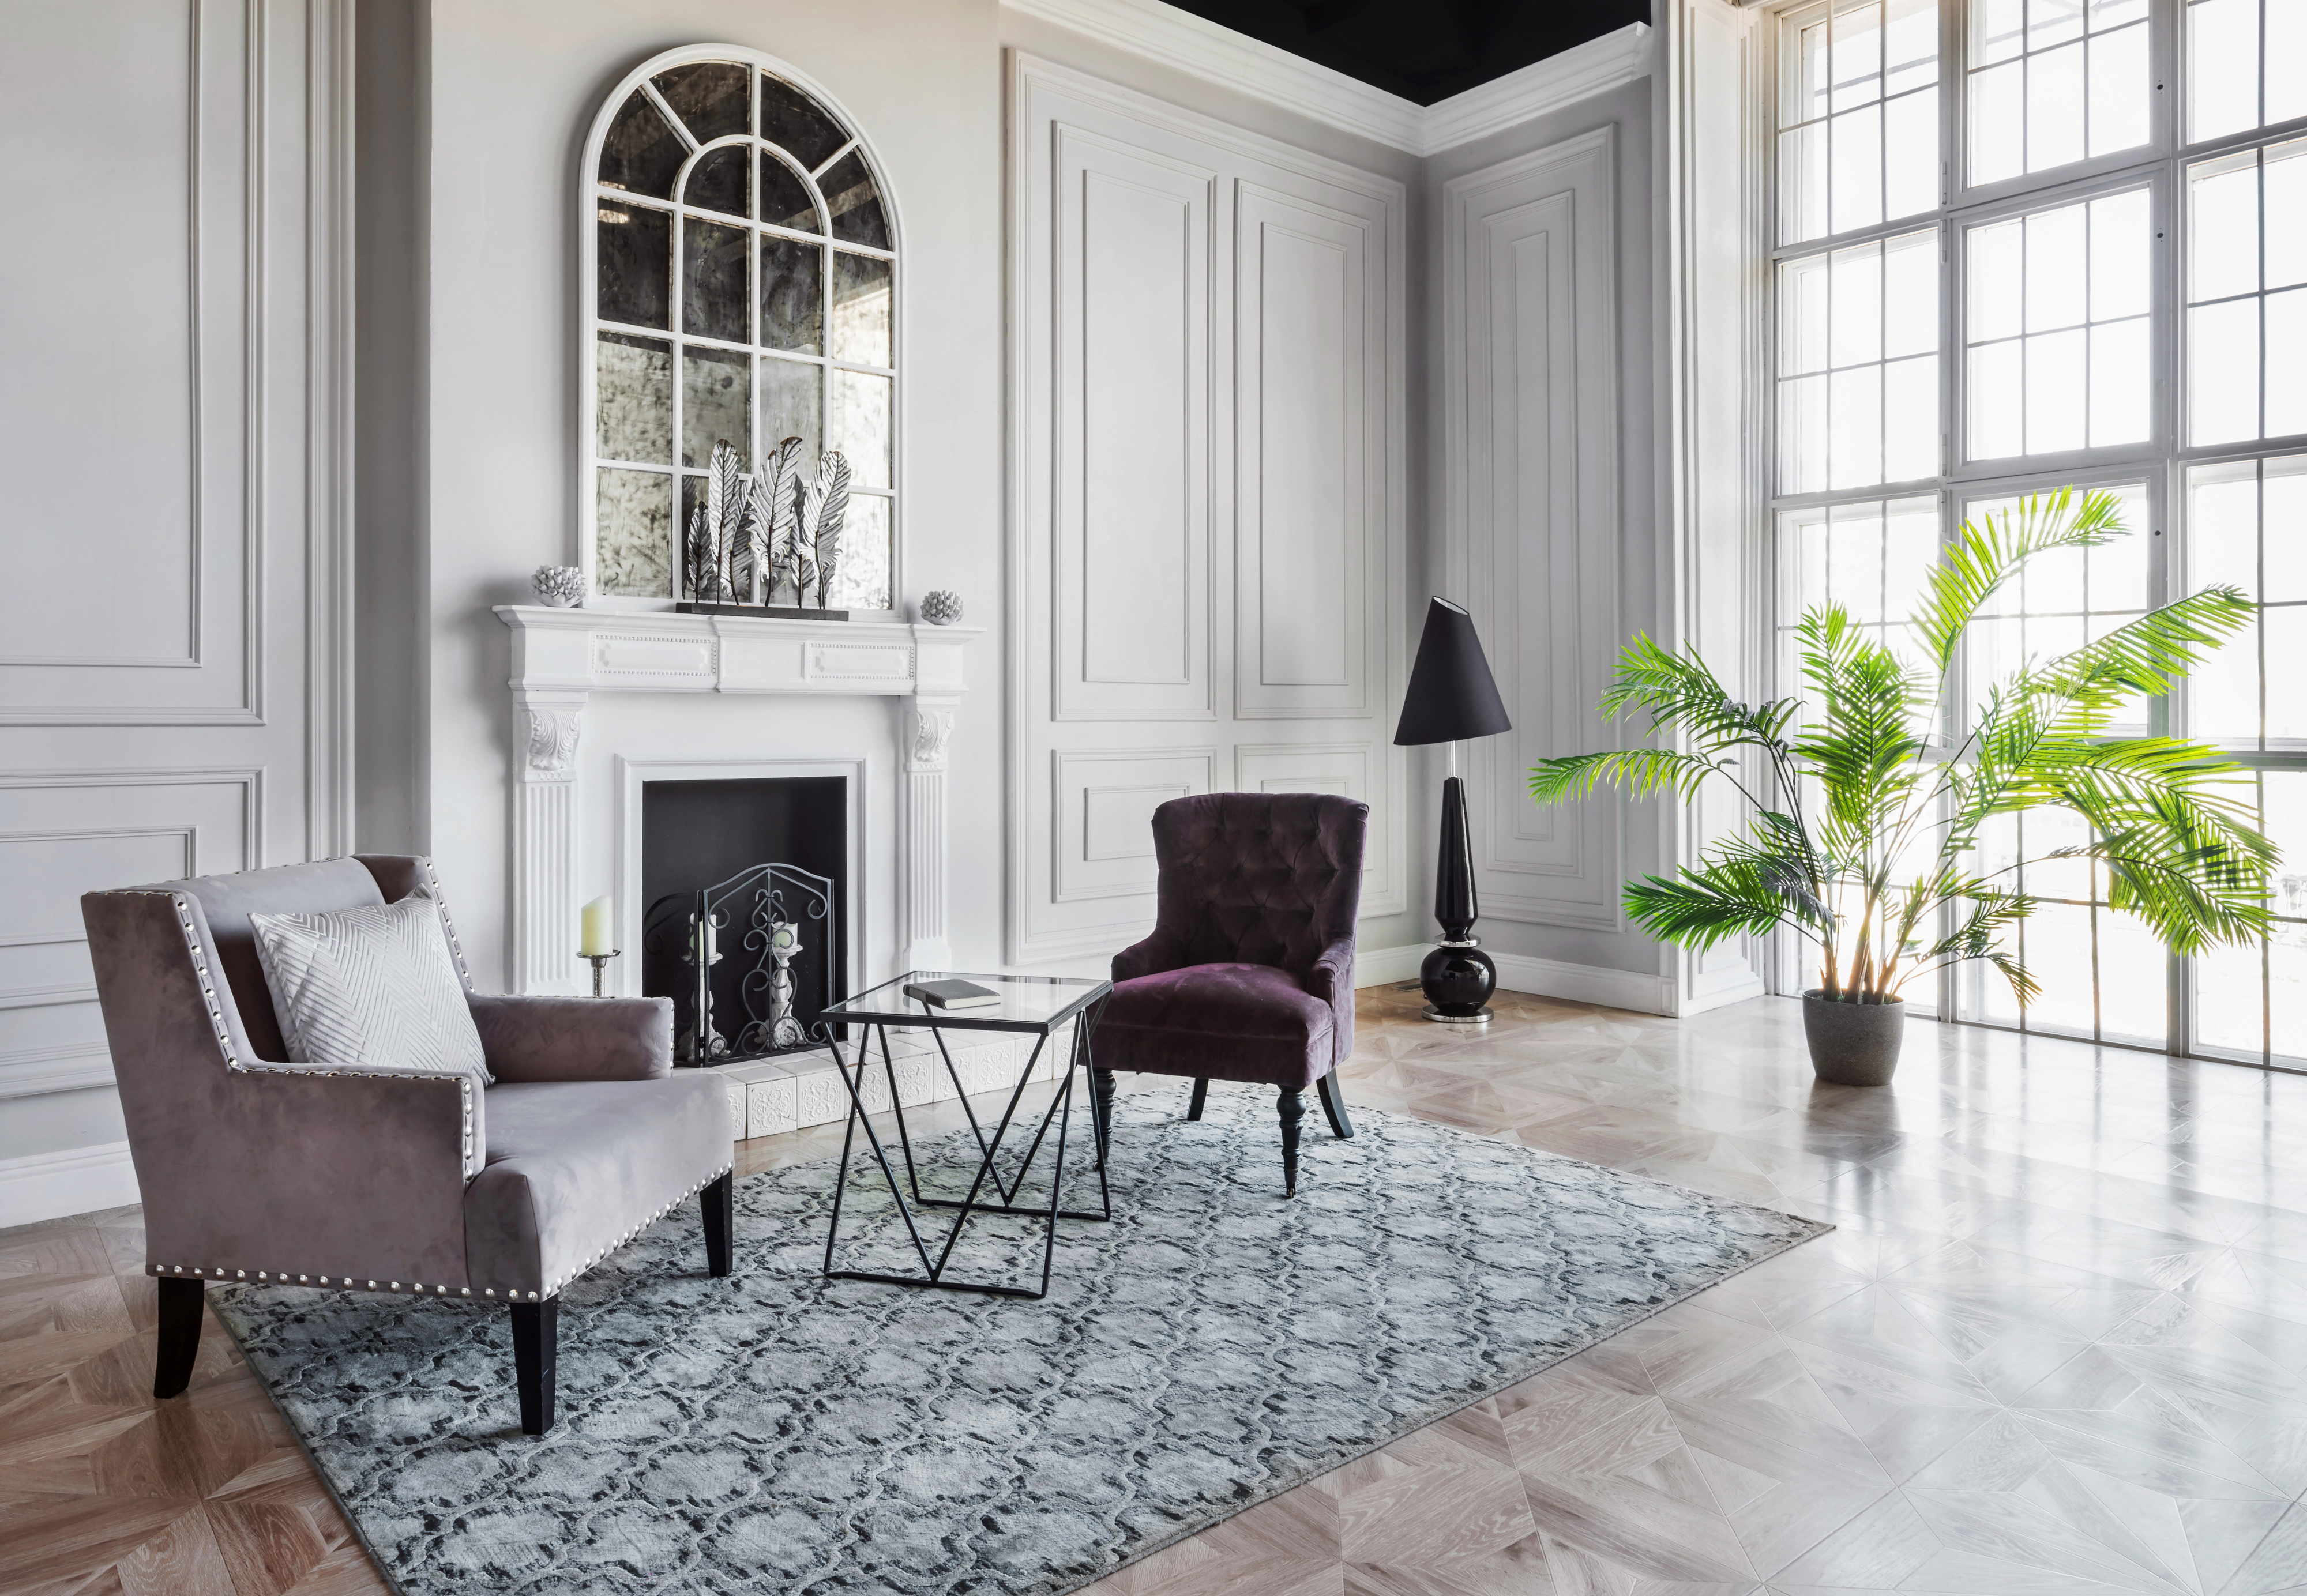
(1541, 473)
(172, 428)
(513, 85)
(1276, 686)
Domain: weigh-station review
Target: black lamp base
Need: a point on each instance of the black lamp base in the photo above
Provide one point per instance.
(1458, 977)
(1458, 980)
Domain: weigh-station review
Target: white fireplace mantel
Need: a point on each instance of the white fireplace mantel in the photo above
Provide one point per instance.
(562, 657)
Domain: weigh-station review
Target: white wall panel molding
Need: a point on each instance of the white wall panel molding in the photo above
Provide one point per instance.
(1532, 530)
(1206, 397)
(1218, 54)
(1310, 479)
(63, 833)
(33, 1071)
(184, 513)
(77, 1180)
(1105, 799)
(1130, 595)
(1354, 770)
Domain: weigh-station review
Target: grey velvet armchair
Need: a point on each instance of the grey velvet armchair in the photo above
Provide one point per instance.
(347, 1178)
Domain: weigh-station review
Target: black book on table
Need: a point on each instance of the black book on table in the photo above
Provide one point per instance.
(952, 995)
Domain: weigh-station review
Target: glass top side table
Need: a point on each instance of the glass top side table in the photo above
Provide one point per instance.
(1033, 1005)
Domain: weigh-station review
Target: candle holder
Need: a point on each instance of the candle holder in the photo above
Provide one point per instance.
(600, 963)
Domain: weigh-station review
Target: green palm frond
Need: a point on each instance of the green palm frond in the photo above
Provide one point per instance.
(1988, 552)
(1644, 772)
(1705, 905)
(1862, 832)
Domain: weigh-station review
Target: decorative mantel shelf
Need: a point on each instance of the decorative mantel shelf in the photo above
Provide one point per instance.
(562, 657)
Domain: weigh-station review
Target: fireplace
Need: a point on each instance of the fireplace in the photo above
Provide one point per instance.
(608, 703)
(778, 848)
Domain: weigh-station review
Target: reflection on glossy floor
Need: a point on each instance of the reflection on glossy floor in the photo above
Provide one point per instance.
(2058, 1345)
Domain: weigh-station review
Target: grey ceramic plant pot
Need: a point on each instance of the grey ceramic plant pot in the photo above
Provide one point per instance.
(1854, 1044)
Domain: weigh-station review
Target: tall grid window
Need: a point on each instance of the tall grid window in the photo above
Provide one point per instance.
(2021, 244)
(743, 269)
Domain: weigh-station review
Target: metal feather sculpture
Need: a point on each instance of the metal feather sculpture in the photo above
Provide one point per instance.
(697, 561)
(725, 498)
(785, 521)
(828, 508)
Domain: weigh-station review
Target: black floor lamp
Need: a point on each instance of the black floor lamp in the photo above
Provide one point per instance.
(1451, 698)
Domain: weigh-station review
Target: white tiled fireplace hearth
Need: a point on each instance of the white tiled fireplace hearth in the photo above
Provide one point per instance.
(570, 767)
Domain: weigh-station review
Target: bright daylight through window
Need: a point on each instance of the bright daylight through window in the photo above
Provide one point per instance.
(2020, 244)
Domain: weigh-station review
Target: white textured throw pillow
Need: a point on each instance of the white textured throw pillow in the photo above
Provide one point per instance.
(372, 987)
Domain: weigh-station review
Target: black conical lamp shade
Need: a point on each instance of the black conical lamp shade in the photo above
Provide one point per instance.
(1451, 698)
(1450, 695)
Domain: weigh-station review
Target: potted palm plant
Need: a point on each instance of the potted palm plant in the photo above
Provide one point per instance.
(1865, 797)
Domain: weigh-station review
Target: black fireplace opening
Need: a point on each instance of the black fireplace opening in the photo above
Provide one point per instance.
(695, 834)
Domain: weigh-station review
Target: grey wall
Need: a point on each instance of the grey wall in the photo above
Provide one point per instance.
(514, 85)
(1048, 41)
(1627, 110)
(389, 464)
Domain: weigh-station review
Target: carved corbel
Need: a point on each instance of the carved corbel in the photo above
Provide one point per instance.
(550, 728)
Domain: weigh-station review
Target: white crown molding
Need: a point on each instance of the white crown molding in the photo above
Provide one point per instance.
(1219, 54)
(1576, 73)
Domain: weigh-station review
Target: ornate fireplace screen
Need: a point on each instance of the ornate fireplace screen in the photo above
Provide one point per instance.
(741, 264)
(774, 913)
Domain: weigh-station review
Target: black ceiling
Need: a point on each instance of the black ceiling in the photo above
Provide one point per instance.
(1424, 50)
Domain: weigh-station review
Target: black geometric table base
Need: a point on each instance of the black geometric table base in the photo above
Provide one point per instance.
(1060, 1110)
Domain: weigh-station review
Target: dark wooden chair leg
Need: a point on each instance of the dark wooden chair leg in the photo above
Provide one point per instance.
(1102, 1089)
(1333, 1104)
(1201, 1096)
(535, 1342)
(1293, 1109)
(180, 1336)
(720, 1222)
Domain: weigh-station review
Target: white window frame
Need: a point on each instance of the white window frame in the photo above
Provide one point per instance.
(589, 324)
(2161, 462)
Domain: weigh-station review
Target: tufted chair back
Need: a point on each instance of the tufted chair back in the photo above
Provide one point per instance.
(1258, 877)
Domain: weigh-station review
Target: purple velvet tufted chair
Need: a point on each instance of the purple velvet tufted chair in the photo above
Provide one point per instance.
(353, 1177)
(1249, 973)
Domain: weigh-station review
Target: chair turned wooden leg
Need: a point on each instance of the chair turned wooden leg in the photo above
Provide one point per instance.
(180, 1336)
(1293, 1109)
(1333, 1104)
(720, 1222)
(1201, 1096)
(535, 1342)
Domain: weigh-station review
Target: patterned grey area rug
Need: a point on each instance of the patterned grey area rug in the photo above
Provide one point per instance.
(776, 1432)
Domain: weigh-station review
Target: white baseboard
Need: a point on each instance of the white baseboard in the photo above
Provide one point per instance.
(1542, 977)
(76, 1181)
(1384, 966)
(1585, 983)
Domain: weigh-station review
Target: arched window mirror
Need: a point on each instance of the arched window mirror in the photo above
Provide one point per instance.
(741, 258)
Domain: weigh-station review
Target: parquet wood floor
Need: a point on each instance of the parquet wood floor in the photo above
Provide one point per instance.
(2057, 1348)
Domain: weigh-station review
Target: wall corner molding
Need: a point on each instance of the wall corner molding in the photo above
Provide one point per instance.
(75, 1180)
(1218, 54)
(1579, 73)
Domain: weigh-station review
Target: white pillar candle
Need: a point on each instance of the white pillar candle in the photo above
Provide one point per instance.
(599, 937)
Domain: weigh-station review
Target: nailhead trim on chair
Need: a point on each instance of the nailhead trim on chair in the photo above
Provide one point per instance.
(456, 948)
(267, 1067)
(347, 1282)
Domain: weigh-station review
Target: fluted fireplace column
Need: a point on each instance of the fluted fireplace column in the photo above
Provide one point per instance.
(546, 728)
(930, 729)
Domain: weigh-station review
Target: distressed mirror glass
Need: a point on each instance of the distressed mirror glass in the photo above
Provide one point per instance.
(745, 289)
